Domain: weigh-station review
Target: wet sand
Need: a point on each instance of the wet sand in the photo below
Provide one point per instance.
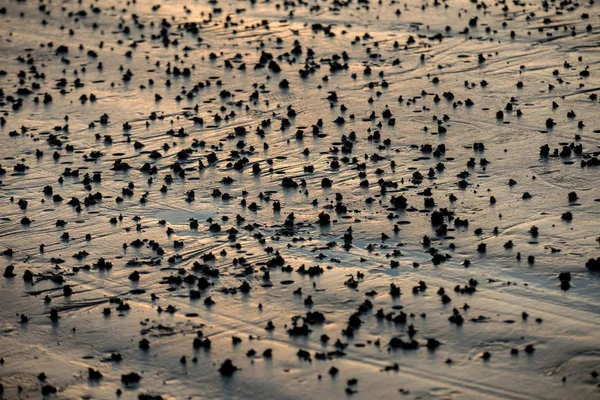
(299, 200)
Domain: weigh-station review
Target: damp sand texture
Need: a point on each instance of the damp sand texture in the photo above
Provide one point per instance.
(299, 199)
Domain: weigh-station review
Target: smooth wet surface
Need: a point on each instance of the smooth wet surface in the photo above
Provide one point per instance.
(382, 131)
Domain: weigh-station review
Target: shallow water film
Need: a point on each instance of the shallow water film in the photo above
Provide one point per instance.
(299, 199)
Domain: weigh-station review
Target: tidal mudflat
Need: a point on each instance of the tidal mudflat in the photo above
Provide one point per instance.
(300, 199)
